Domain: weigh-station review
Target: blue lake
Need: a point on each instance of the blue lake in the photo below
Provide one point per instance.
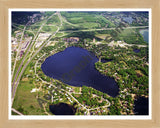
(76, 66)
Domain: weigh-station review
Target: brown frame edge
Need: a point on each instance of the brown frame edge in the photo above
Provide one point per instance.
(6, 4)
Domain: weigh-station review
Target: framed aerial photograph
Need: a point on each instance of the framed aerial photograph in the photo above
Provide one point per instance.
(75, 65)
(90, 63)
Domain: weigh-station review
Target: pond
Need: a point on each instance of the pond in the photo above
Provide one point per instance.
(141, 106)
(105, 60)
(136, 50)
(76, 66)
(62, 109)
(145, 34)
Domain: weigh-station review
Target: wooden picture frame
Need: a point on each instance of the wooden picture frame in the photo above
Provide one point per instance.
(4, 39)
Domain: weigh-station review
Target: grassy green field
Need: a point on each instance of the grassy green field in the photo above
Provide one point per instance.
(76, 20)
(85, 20)
(89, 25)
(34, 29)
(130, 36)
(102, 36)
(58, 34)
(53, 20)
(25, 101)
(49, 29)
(127, 32)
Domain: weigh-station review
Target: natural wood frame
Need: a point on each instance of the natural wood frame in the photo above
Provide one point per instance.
(6, 4)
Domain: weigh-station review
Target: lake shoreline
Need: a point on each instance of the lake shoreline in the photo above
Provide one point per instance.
(145, 34)
(66, 61)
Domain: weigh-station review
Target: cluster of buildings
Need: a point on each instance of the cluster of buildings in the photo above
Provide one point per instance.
(14, 43)
(118, 43)
(71, 39)
(34, 18)
(23, 45)
(68, 98)
(128, 19)
(41, 38)
(125, 17)
(94, 112)
(70, 89)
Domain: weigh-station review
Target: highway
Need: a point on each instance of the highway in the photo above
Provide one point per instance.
(99, 29)
(26, 64)
(19, 44)
(28, 50)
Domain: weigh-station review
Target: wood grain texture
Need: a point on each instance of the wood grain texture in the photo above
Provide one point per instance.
(6, 4)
